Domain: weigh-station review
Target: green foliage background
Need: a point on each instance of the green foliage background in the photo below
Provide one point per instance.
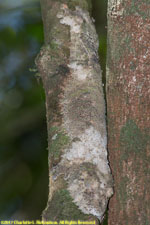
(23, 136)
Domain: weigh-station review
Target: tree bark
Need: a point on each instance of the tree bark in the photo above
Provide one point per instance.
(128, 108)
(79, 177)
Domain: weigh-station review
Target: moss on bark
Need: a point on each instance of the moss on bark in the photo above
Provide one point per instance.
(62, 207)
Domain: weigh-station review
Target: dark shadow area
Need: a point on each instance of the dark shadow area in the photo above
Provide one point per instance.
(23, 138)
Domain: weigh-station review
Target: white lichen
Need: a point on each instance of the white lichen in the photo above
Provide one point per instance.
(90, 149)
(54, 137)
(115, 8)
(90, 186)
(79, 22)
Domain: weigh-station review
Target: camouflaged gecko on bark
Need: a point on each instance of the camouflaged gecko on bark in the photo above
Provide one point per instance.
(76, 130)
(84, 163)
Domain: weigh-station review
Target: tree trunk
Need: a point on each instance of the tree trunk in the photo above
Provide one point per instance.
(128, 107)
(80, 178)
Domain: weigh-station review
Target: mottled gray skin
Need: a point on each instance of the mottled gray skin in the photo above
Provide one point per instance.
(81, 163)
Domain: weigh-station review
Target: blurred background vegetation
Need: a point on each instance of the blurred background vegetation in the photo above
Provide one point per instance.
(23, 135)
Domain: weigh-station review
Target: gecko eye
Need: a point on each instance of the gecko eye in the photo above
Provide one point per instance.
(63, 70)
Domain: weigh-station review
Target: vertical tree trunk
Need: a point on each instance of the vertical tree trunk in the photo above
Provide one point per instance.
(128, 107)
(80, 178)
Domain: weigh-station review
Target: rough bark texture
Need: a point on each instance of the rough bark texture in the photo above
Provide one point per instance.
(80, 177)
(128, 107)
